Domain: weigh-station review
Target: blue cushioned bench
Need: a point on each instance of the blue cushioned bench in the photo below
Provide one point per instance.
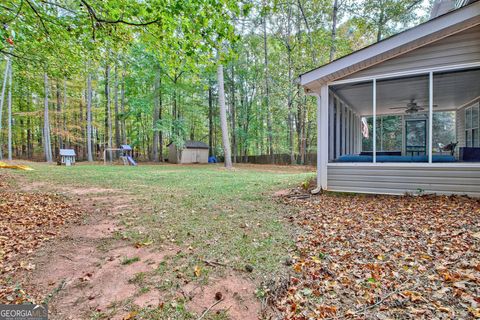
(360, 158)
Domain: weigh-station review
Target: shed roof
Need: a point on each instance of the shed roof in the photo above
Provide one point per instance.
(189, 144)
(67, 152)
(416, 37)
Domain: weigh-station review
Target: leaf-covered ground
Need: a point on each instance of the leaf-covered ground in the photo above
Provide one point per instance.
(27, 220)
(385, 257)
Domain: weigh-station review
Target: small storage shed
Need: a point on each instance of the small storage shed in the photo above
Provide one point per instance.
(67, 156)
(192, 152)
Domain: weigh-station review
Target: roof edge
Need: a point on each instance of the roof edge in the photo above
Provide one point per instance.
(403, 38)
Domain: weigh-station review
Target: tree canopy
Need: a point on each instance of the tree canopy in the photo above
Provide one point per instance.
(97, 74)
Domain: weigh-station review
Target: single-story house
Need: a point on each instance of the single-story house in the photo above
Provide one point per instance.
(402, 115)
(190, 152)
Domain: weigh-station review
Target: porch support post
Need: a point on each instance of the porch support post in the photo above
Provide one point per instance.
(359, 135)
(331, 127)
(352, 130)
(430, 118)
(322, 139)
(337, 128)
(344, 121)
(347, 132)
(322, 153)
(354, 133)
(374, 120)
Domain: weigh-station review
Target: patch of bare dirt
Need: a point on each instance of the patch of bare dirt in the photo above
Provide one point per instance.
(237, 295)
(282, 193)
(79, 191)
(100, 230)
(33, 186)
(89, 280)
(87, 268)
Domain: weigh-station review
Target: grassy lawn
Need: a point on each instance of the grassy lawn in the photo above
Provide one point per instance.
(211, 214)
(349, 256)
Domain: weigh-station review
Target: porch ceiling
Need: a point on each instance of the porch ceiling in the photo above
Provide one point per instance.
(451, 91)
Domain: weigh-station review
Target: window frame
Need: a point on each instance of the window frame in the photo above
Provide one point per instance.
(472, 129)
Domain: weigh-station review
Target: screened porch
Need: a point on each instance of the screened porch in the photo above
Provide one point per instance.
(420, 118)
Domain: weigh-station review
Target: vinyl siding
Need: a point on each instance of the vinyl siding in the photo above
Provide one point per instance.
(400, 179)
(460, 48)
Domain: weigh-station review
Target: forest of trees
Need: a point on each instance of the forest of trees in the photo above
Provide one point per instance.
(88, 74)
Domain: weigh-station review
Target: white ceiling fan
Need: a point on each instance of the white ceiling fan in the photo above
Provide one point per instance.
(413, 107)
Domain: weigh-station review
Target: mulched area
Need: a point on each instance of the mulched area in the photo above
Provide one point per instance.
(384, 257)
(27, 221)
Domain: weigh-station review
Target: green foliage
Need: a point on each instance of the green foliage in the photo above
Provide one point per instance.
(178, 44)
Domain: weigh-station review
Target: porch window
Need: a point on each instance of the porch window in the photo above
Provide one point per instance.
(389, 134)
(444, 127)
(472, 126)
(457, 92)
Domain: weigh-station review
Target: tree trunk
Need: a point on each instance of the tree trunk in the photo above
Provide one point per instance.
(10, 114)
(290, 84)
(29, 128)
(117, 119)
(309, 33)
(2, 99)
(59, 114)
(156, 117)
(290, 109)
(46, 124)
(108, 113)
(233, 116)
(223, 118)
(210, 120)
(174, 108)
(122, 109)
(160, 107)
(81, 125)
(65, 130)
(267, 93)
(334, 30)
(89, 118)
(380, 25)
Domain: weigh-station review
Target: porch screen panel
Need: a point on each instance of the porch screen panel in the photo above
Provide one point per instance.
(402, 118)
(456, 114)
(353, 139)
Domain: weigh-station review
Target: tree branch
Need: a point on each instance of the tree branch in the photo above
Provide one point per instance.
(16, 14)
(93, 14)
(59, 6)
(5, 52)
(38, 16)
